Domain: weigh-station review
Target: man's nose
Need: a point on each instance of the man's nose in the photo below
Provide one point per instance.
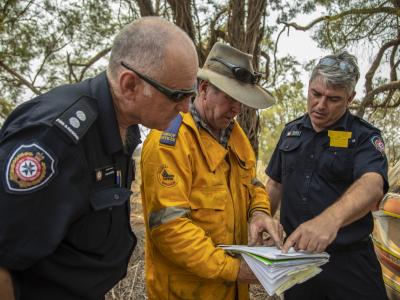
(321, 104)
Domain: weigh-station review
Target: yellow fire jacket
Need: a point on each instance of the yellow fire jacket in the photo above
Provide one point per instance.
(196, 195)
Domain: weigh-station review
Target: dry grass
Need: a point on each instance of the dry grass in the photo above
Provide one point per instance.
(133, 285)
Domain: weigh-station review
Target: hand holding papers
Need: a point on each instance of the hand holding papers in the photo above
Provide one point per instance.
(278, 271)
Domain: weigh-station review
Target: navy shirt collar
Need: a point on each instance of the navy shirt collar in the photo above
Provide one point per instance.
(100, 90)
(342, 123)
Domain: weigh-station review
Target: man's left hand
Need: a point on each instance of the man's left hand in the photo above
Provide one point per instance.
(314, 235)
(261, 222)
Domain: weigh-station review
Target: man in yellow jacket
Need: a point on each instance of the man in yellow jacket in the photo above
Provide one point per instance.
(199, 188)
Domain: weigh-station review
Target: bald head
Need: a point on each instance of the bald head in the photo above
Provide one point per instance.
(146, 44)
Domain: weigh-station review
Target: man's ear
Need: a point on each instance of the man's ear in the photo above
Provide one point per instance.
(203, 87)
(128, 84)
(351, 98)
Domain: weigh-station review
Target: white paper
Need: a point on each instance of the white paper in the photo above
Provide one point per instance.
(281, 270)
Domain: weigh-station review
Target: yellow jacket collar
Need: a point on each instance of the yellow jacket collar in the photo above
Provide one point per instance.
(214, 152)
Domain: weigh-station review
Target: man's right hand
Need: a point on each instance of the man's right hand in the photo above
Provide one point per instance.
(245, 274)
(6, 286)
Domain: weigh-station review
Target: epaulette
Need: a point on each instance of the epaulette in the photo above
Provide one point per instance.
(366, 124)
(295, 120)
(168, 137)
(76, 120)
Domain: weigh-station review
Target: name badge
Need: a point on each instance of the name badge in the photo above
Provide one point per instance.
(294, 133)
(105, 173)
(339, 139)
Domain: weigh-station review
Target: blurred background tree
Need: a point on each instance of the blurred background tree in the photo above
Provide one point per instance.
(47, 43)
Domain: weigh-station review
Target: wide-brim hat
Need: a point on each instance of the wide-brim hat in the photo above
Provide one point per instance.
(221, 76)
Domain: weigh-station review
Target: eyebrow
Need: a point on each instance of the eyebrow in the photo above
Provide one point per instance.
(329, 97)
(334, 97)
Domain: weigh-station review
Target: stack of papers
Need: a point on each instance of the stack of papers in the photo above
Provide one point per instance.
(278, 271)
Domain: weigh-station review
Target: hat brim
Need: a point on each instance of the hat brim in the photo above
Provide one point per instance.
(251, 95)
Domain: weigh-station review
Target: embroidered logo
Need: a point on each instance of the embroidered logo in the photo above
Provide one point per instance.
(378, 143)
(29, 168)
(166, 178)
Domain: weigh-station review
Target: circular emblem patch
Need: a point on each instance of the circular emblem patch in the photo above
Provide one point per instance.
(166, 177)
(378, 143)
(29, 168)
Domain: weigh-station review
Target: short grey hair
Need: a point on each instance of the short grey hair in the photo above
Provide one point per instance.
(143, 45)
(335, 74)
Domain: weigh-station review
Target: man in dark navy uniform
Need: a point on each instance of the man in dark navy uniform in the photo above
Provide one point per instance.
(328, 171)
(66, 166)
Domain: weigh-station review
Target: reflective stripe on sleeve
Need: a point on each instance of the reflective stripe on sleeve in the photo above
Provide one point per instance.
(167, 214)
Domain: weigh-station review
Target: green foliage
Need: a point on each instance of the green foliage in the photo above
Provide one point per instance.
(387, 120)
(45, 43)
(291, 104)
(5, 109)
(48, 43)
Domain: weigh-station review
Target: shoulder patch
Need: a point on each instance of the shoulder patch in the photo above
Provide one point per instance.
(29, 168)
(77, 119)
(168, 137)
(378, 143)
(166, 177)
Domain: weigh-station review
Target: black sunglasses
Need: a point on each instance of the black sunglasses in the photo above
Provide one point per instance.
(240, 73)
(331, 61)
(174, 95)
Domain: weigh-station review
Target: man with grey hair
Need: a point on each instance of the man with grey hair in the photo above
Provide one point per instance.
(328, 171)
(66, 166)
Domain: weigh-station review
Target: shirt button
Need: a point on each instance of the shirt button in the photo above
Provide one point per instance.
(116, 197)
(307, 176)
(304, 198)
(311, 156)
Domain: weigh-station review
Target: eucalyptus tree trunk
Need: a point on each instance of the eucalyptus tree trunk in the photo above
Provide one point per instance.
(243, 24)
(245, 32)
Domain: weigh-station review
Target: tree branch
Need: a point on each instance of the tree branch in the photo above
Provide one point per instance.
(393, 64)
(48, 53)
(93, 60)
(368, 99)
(361, 11)
(255, 11)
(275, 50)
(20, 78)
(236, 25)
(215, 33)
(374, 66)
(70, 69)
(267, 63)
(183, 16)
(145, 7)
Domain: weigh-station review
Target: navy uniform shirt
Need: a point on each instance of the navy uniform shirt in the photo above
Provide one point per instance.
(315, 169)
(64, 196)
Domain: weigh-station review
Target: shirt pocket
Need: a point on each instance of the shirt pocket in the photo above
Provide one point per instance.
(97, 231)
(208, 206)
(289, 149)
(336, 164)
(245, 175)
